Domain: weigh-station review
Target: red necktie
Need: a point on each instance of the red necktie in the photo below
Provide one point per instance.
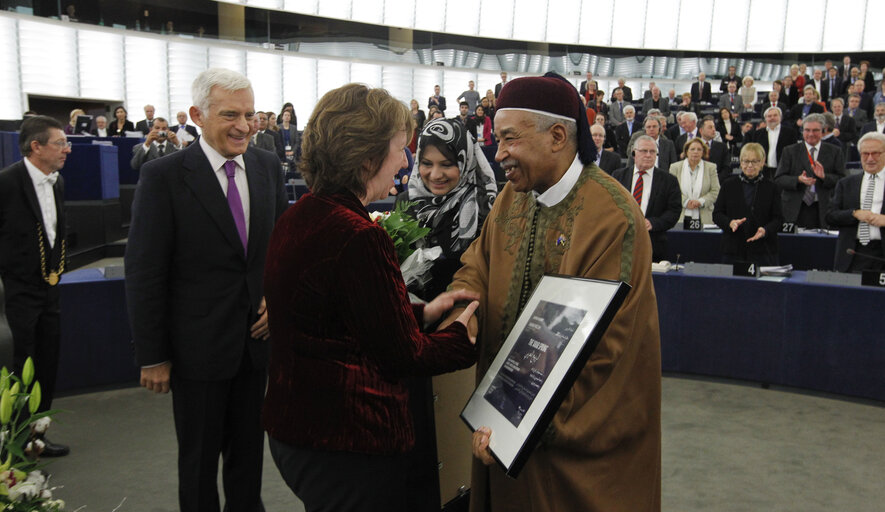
(637, 188)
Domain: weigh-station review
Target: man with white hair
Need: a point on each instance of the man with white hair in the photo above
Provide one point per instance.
(624, 131)
(559, 213)
(774, 138)
(878, 122)
(201, 221)
(628, 92)
(145, 125)
(858, 210)
(101, 127)
(689, 130)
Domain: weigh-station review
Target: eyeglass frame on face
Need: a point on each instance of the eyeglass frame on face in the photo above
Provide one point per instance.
(61, 143)
(652, 151)
(874, 154)
(751, 162)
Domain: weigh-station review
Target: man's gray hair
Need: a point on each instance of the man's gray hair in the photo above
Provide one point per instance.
(815, 118)
(631, 108)
(877, 136)
(691, 116)
(830, 119)
(646, 138)
(778, 109)
(680, 114)
(653, 112)
(225, 79)
(101, 117)
(840, 100)
(543, 122)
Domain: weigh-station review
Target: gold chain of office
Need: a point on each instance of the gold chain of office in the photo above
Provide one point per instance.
(52, 277)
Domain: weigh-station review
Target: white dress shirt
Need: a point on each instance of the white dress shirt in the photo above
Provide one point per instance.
(46, 198)
(553, 195)
(878, 193)
(101, 132)
(646, 186)
(216, 161)
(772, 145)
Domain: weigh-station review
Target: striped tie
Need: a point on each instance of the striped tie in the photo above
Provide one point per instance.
(637, 188)
(864, 228)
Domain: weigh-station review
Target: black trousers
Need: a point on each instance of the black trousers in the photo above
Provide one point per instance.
(33, 315)
(859, 263)
(333, 481)
(220, 418)
(809, 216)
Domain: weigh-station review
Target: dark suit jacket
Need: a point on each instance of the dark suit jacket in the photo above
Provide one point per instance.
(628, 93)
(622, 134)
(609, 161)
(140, 156)
(762, 107)
(698, 96)
(766, 212)
(735, 132)
(721, 156)
(846, 199)
(795, 160)
(847, 129)
(192, 291)
(278, 143)
(796, 111)
(264, 141)
(786, 137)
(143, 126)
(664, 205)
(663, 105)
(860, 116)
(187, 127)
(867, 128)
(790, 98)
(113, 131)
(723, 86)
(827, 93)
(498, 87)
(442, 103)
(19, 241)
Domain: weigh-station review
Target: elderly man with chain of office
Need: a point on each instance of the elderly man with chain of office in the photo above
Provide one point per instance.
(561, 214)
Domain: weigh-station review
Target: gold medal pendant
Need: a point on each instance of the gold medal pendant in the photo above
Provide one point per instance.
(53, 279)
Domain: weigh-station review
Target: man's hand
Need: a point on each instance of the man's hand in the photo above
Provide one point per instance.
(443, 302)
(836, 132)
(876, 219)
(151, 136)
(806, 179)
(736, 223)
(759, 234)
(171, 137)
(647, 224)
(818, 169)
(481, 445)
(260, 329)
(156, 378)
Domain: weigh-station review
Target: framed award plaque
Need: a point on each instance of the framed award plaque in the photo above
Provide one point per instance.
(552, 340)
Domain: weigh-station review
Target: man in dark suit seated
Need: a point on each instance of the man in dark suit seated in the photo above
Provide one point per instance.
(854, 110)
(608, 161)
(201, 221)
(807, 106)
(628, 92)
(656, 191)
(32, 252)
(858, 209)
(624, 131)
(160, 141)
(846, 127)
(700, 90)
(774, 138)
(144, 126)
(878, 122)
(807, 174)
(831, 87)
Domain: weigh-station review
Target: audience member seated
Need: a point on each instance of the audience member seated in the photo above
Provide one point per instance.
(732, 100)
(748, 93)
(748, 210)
(611, 140)
(471, 96)
(144, 126)
(624, 131)
(807, 173)
(608, 161)
(717, 153)
(700, 90)
(729, 130)
(731, 77)
(866, 99)
(775, 135)
(673, 99)
(857, 210)
(120, 125)
(698, 181)
(160, 141)
(101, 127)
(451, 192)
(656, 101)
(846, 127)
(807, 106)
(72, 122)
(656, 191)
(878, 122)
(483, 127)
(186, 133)
(789, 93)
(831, 87)
(854, 110)
(688, 105)
(344, 334)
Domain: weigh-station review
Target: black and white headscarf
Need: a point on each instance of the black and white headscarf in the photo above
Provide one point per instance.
(455, 219)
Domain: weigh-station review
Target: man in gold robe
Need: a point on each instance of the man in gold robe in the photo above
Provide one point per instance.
(561, 214)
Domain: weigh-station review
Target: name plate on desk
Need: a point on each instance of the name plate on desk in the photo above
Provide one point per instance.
(689, 224)
(873, 278)
(745, 269)
(788, 227)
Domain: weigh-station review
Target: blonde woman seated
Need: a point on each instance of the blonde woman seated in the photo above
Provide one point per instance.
(748, 93)
(698, 181)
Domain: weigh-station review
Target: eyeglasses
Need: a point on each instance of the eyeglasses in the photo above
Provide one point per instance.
(751, 162)
(61, 143)
(647, 151)
(874, 154)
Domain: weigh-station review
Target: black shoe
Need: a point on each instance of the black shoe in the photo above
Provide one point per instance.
(51, 449)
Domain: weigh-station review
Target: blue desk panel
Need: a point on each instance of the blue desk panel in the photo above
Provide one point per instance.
(90, 173)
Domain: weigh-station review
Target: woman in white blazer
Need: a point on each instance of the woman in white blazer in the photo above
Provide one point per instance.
(698, 181)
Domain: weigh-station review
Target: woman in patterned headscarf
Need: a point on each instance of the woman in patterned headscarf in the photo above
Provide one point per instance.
(452, 190)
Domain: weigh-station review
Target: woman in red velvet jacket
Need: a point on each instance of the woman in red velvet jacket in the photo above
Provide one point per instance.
(344, 335)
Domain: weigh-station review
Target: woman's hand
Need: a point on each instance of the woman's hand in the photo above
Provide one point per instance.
(760, 233)
(443, 302)
(736, 223)
(481, 445)
(693, 204)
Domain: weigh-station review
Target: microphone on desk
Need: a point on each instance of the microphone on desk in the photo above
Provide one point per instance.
(676, 265)
(852, 252)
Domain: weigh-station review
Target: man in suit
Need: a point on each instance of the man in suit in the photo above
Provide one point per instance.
(666, 151)
(866, 99)
(855, 111)
(144, 126)
(201, 221)
(730, 78)
(32, 251)
(101, 127)
(616, 112)
(807, 174)
(878, 122)
(689, 130)
(656, 101)
(831, 86)
(858, 209)
(817, 82)
(590, 79)
(260, 139)
(437, 100)
(848, 84)
(774, 138)
(184, 128)
(647, 94)
(160, 141)
(628, 92)
(807, 106)
(789, 93)
(499, 85)
(719, 154)
(275, 136)
(846, 127)
(656, 191)
(700, 90)
(845, 69)
(773, 101)
(624, 131)
(608, 161)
